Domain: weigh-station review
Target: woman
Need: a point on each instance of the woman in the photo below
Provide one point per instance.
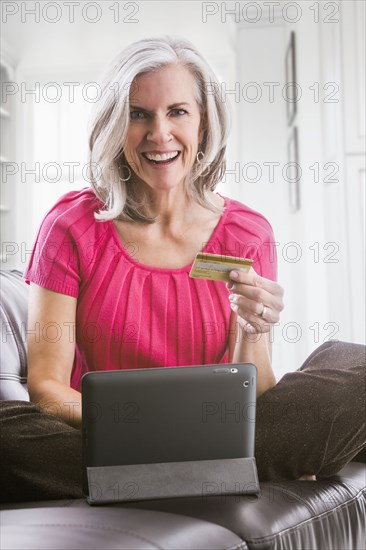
(110, 275)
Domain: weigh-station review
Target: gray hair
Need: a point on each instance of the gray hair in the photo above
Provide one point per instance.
(111, 120)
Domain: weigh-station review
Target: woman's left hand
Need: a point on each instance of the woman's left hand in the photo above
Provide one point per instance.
(257, 301)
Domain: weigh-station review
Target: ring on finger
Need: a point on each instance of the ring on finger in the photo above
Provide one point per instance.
(263, 312)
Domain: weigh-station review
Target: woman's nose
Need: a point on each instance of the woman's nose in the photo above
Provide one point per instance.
(160, 130)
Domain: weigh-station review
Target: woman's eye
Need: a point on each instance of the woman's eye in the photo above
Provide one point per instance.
(179, 112)
(135, 115)
(140, 115)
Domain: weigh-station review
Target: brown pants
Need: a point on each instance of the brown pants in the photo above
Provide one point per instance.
(312, 422)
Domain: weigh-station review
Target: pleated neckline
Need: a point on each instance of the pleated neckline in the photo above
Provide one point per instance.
(185, 268)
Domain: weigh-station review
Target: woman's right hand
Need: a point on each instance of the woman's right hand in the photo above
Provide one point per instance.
(51, 351)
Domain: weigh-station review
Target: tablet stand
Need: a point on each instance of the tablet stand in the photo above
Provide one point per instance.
(236, 476)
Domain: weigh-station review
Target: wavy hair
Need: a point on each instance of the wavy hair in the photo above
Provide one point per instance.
(111, 120)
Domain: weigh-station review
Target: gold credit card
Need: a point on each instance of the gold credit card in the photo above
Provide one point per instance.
(217, 267)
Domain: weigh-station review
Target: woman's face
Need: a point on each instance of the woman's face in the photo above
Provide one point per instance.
(164, 120)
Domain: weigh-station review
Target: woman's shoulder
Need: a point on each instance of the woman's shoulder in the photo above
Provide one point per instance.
(77, 202)
(246, 219)
(74, 210)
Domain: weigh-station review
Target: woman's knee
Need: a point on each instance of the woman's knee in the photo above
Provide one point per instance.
(336, 354)
(40, 454)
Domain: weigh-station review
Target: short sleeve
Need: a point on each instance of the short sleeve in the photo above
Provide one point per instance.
(54, 261)
(265, 253)
(248, 234)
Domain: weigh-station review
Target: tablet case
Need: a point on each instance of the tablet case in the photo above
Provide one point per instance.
(169, 432)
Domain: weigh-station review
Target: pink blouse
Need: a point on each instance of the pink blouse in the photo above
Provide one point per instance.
(130, 315)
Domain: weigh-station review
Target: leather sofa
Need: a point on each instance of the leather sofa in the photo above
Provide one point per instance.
(323, 514)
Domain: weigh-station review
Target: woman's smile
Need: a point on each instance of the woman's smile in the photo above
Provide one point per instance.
(161, 160)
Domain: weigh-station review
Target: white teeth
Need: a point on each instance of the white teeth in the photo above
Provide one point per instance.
(165, 156)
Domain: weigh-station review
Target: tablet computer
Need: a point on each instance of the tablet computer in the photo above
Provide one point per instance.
(167, 415)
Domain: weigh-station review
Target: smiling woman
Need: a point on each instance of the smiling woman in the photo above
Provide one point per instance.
(116, 258)
(157, 98)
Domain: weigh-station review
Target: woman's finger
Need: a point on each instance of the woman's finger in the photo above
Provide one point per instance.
(254, 298)
(246, 304)
(252, 326)
(257, 301)
(251, 278)
(252, 311)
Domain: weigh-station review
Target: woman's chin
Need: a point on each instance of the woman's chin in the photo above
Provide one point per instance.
(163, 183)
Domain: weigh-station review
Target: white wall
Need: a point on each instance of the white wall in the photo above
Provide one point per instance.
(352, 200)
(262, 140)
(331, 54)
(324, 290)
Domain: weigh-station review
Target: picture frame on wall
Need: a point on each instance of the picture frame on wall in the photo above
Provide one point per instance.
(290, 63)
(293, 172)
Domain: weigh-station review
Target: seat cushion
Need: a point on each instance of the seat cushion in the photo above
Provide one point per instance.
(13, 312)
(108, 528)
(307, 515)
(323, 514)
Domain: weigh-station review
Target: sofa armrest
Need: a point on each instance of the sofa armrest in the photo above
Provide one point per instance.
(13, 315)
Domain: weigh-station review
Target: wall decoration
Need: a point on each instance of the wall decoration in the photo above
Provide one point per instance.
(293, 172)
(291, 103)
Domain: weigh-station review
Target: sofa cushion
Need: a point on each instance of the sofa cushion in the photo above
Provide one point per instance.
(109, 528)
(323, 514)
(307, 515)
(13, 360)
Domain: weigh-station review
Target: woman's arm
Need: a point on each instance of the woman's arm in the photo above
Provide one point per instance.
(249, 339)
(51, 350)
(252, 348)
